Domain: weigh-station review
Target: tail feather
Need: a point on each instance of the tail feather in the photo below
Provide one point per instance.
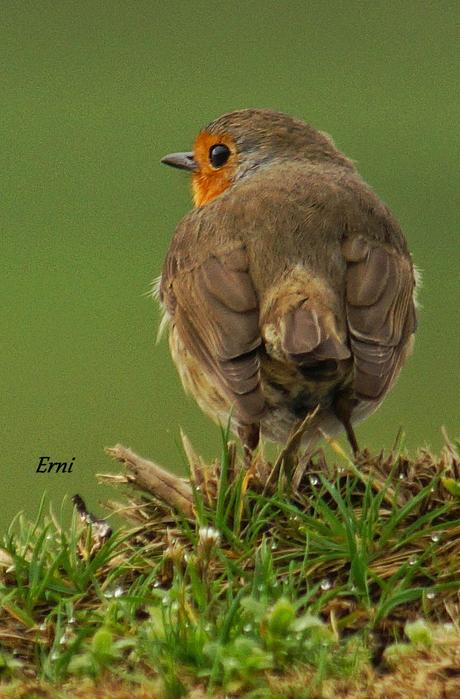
(310, 336)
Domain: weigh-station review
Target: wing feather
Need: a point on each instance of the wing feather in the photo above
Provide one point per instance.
(380, 313)
(216, 313)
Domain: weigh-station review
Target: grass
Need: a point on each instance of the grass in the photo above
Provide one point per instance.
(349, 587)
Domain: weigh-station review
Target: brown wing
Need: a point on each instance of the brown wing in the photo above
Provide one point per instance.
(380, 313)
(215, 310)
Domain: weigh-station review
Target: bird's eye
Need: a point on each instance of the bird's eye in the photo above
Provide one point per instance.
(219, 154)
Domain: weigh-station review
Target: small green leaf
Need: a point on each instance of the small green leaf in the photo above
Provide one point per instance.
(418, 632)
(307, 621)
(281, 617)
(397, 652)
(452, 486)
(102, 643)
(254, 608)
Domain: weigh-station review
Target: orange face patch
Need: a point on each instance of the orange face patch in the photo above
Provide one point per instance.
(209, 181)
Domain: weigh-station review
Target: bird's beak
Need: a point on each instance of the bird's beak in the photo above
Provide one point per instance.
(183, 161)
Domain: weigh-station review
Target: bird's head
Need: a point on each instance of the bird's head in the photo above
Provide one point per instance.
(238, 144)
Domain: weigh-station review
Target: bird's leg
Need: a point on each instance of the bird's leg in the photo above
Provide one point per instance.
(343, 407)
(249, 435)
(351, 436)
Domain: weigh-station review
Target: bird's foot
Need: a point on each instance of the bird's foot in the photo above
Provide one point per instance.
(249, 436)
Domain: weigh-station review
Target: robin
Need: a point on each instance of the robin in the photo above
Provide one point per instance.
(289, 288)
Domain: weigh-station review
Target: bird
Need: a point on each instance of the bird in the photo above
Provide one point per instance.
(288, 289)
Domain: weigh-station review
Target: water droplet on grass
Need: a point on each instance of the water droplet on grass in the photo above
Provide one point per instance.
(247, 628)
(431, 594)
(114, 592)
(412, 560)
(314, 480)
(325, 584)
(274, 546)
(435, 537)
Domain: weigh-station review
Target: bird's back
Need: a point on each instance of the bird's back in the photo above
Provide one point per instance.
(289, 263)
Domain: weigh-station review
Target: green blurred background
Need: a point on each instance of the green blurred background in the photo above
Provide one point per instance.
(93, 94)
